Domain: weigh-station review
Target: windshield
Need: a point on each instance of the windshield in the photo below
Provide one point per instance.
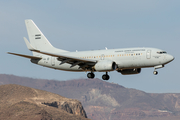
(162, 52)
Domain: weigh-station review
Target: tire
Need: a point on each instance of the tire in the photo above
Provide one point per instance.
(155, 72)
(105, 77)
(90, 75)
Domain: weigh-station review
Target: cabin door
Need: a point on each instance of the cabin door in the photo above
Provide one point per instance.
(148, 54)
(102, 57)
(52, 61)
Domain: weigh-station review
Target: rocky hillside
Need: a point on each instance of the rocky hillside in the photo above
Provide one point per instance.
(24, 103)
(108, 101)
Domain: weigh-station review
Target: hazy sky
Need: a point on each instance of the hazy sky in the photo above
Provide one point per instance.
(94, 24)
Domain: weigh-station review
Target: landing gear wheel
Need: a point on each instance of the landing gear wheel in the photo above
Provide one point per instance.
(90, 75)
(155, 72)
(105, 77)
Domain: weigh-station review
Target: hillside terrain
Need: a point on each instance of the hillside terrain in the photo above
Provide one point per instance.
(24, 103)
(108, 101)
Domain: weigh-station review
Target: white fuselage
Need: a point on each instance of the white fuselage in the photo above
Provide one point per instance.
(127, 58)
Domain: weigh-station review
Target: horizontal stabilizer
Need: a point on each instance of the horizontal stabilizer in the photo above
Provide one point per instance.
(26, 56)
(29, 46)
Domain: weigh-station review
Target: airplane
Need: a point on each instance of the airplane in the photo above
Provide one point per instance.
(127, 61)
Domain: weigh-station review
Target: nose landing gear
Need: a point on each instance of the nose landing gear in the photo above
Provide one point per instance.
(155, 72)
(157, 67)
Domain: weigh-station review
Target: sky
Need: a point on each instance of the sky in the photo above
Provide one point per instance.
(90, 25)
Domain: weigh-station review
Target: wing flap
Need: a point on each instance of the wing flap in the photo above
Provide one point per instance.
(26, 56)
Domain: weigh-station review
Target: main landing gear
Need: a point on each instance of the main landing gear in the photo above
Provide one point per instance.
(104, 77)
(91, 75)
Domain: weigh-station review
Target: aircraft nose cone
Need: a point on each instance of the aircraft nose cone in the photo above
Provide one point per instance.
(170, 58)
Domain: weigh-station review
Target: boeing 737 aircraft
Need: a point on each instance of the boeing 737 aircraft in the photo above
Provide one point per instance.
(125, 61)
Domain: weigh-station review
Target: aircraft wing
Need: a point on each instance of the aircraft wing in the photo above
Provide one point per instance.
(26, 56)
(83, 63)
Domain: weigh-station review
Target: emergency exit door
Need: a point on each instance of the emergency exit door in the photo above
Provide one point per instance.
(148, 54)
(53, 61)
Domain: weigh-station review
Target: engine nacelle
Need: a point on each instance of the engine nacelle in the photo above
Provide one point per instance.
(105, 65)
(130, 71)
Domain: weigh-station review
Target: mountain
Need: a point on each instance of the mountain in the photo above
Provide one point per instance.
(108, 101)
(24, 103)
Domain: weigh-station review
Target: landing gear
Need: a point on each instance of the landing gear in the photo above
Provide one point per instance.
(157, 67)
(91, 75)
(155, 72)
(105, 76)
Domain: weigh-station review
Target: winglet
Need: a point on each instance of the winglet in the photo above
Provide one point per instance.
(29, 46)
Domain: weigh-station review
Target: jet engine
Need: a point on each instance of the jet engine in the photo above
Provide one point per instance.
(105, 65)
(130, 71)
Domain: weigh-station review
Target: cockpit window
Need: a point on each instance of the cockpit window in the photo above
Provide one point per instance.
(162, 52)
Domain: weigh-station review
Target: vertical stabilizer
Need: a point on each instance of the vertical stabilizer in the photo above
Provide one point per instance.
(37, 38)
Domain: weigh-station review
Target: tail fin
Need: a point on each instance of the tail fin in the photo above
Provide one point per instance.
(37, 38)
